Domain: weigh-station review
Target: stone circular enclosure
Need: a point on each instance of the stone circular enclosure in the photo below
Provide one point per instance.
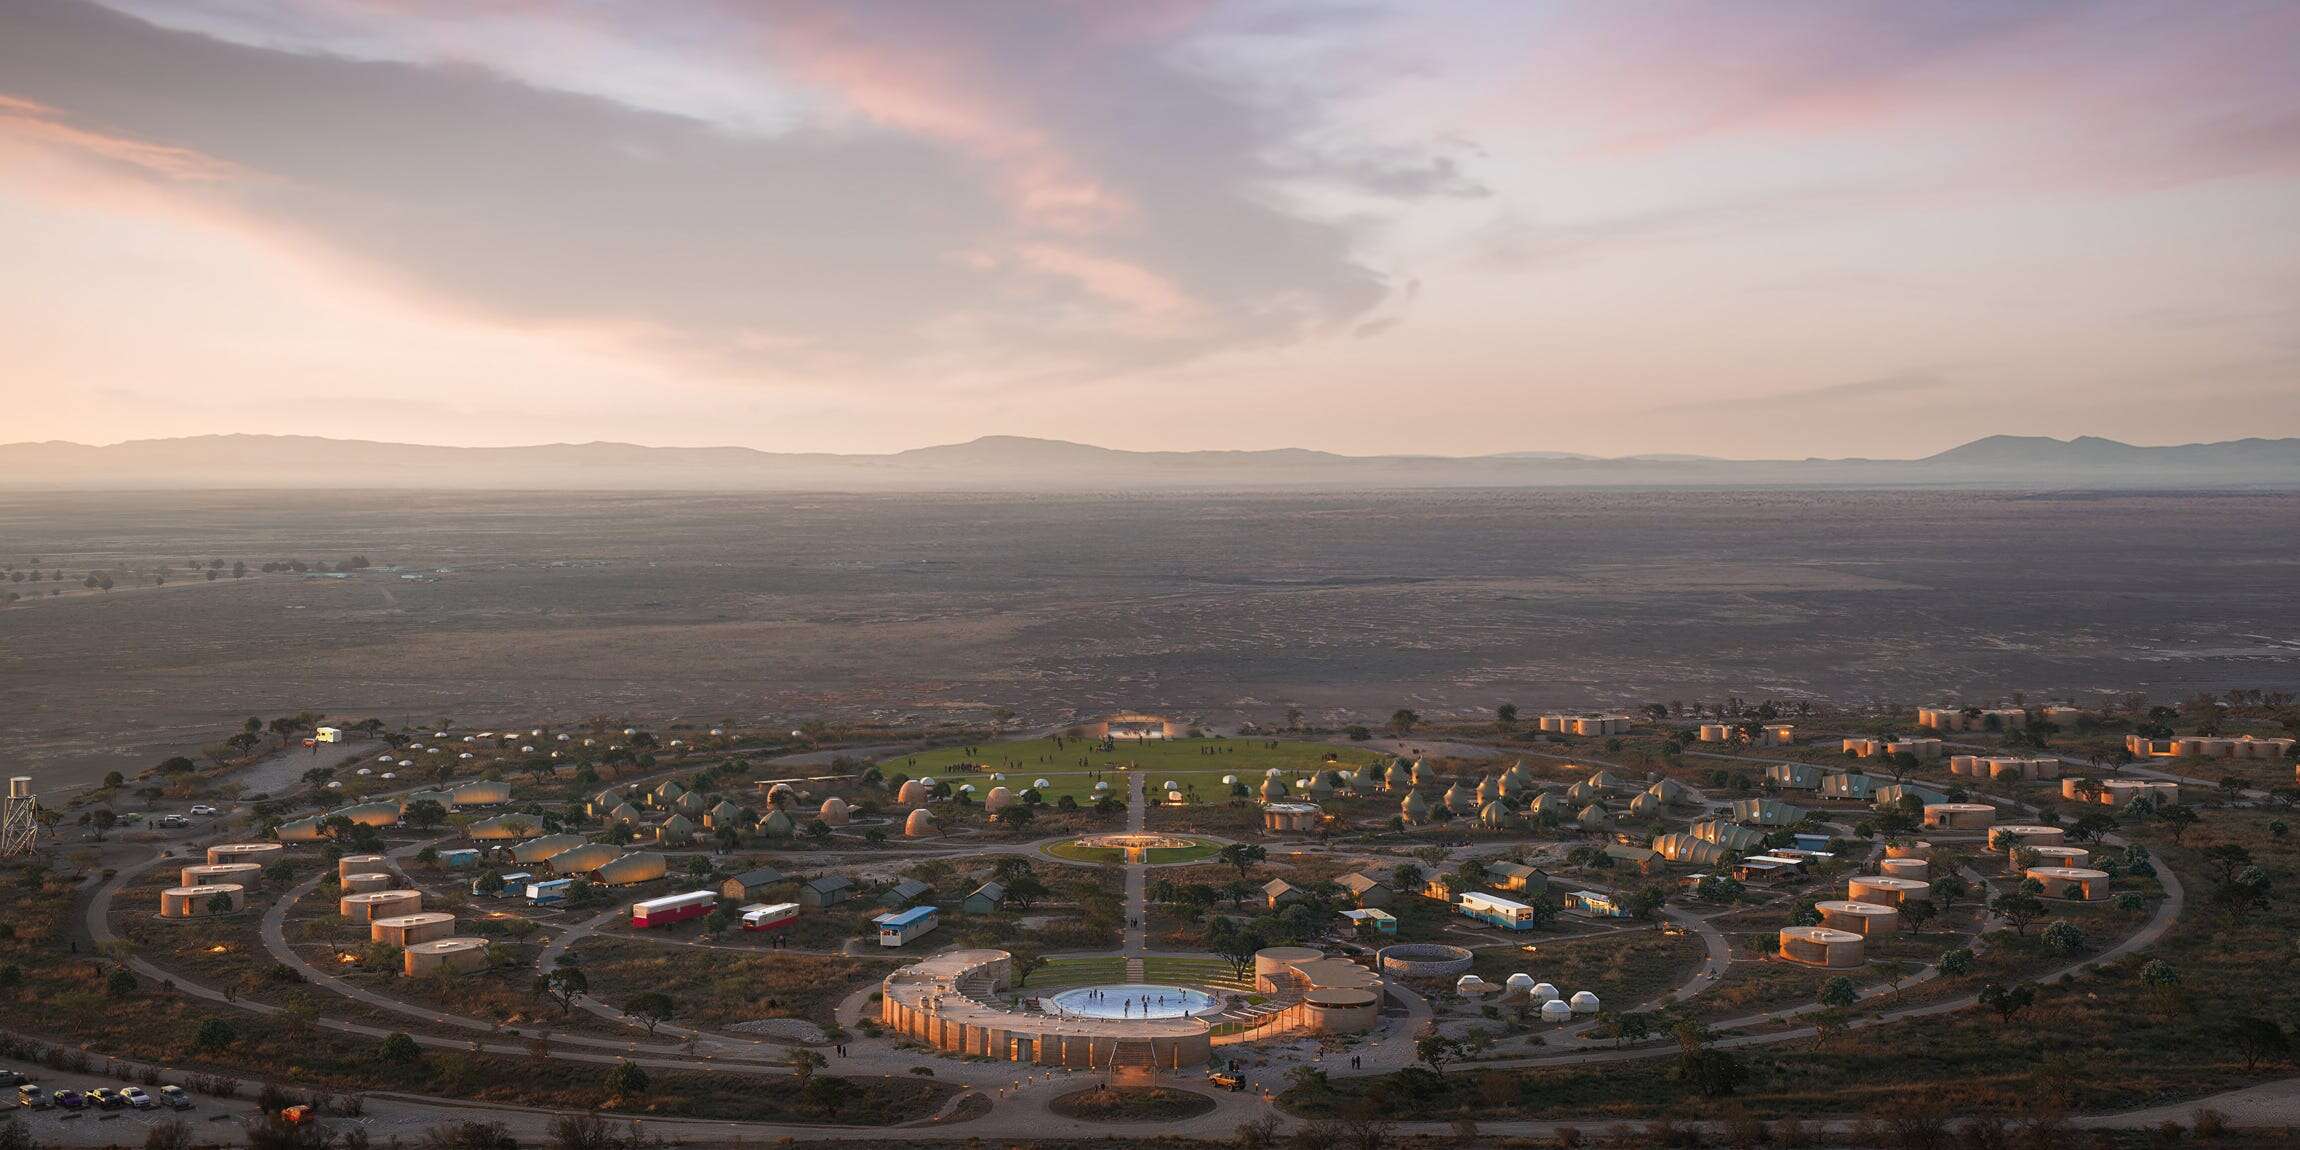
(1425, 960)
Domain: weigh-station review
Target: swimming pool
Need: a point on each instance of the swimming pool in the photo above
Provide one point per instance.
(1130, 1000)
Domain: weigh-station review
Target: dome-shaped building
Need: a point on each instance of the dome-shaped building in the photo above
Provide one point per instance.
(1646, 806)
(668, 791)
(583, 859)
(676, 831)
(1669, 791)
(1583, 1002)
(691, 804)
(1414, 807)
(1495, 816)
(1556, 1011)
(542, 850)
(636, 867)
(997, 800)
(834, 812)
(1488, 790)
(778, 825)
(1585, 792)
(918, 825)
(623, 813)
(1273, 790)
(1398, 776)
(1593, 818)
(723, 814)
(1460, 800)
(914, 793)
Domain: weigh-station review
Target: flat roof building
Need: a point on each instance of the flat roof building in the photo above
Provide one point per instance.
(1822, 946)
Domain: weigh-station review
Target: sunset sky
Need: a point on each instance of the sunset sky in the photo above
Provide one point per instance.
(1749, 230)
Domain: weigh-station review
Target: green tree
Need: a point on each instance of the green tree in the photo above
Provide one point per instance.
(214, 1034)
(1403, 721)
(804, 1063)
(1242, 856)
(1956, 963)
(651, 1007)
(2007, 1001)
(627, 1080)
(399, 1049)
(1839, 992)
(1023, 960)
(1435, 1050)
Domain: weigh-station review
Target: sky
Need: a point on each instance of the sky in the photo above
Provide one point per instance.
(1775, 230)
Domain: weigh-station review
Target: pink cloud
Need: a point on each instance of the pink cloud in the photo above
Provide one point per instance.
(29, 122)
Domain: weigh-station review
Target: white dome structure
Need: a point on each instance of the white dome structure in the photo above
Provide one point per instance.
(1544, 991)
(1519, 981)
(1583, 1002)
(1102, 786)
(1471, 986)
(998, 778)
(1555, 1011)
(1171, 785)
(1229, 780)
(1040, 784)
(1272, 773)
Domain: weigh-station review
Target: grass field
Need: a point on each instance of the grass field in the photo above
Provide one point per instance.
(1073, 766)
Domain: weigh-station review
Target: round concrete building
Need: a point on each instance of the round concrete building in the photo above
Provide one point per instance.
(1867, 919)
(202, 901)
(405, 930)
(1919, 869)
(1822, 946)
(245, 874)
(443, 956)
(244, 852)
(2076, 884)
(371, 905)
(1885, 890)
(1959, 816)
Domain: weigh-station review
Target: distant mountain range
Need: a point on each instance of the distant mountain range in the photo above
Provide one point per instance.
(1001, 462)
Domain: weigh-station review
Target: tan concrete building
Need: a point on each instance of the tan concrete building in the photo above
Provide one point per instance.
(1867, 919)
(202, 901)
(1953, 719)
(443, 956)
(245, 874)
(1959, 816)
(1885, 890)
(1919, 869)
(365, 882)
(1290, 818)
(2005, 766)
(367, 907)
(1822, 946)
(405, 930)
(2079, 884)
(1586, 724)
(244, 852)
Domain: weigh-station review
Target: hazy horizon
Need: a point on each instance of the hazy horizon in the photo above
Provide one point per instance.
(1808, 229)
(996, 436)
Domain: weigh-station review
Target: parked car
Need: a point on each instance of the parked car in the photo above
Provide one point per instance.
(106, 1099)
(1672, 930)
(131, 818)
(174, 1098)
(135, 1096)
(205, 810)
(1227, 1080)
(32, 1096)
(11, 1078)
(171, 821)
(70, 1099)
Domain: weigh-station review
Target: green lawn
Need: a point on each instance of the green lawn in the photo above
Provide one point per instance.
(1073, 767)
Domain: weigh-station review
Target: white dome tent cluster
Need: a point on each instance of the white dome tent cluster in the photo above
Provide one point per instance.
(1522, 989)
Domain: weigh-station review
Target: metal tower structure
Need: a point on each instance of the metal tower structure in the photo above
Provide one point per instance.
(19, 819)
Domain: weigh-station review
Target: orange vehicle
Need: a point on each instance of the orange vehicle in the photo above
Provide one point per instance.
(296, 1115)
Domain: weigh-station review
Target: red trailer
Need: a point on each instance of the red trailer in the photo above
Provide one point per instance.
(673, 908)
(766, 917)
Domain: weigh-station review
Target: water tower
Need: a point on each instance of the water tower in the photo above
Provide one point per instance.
(19, 819)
